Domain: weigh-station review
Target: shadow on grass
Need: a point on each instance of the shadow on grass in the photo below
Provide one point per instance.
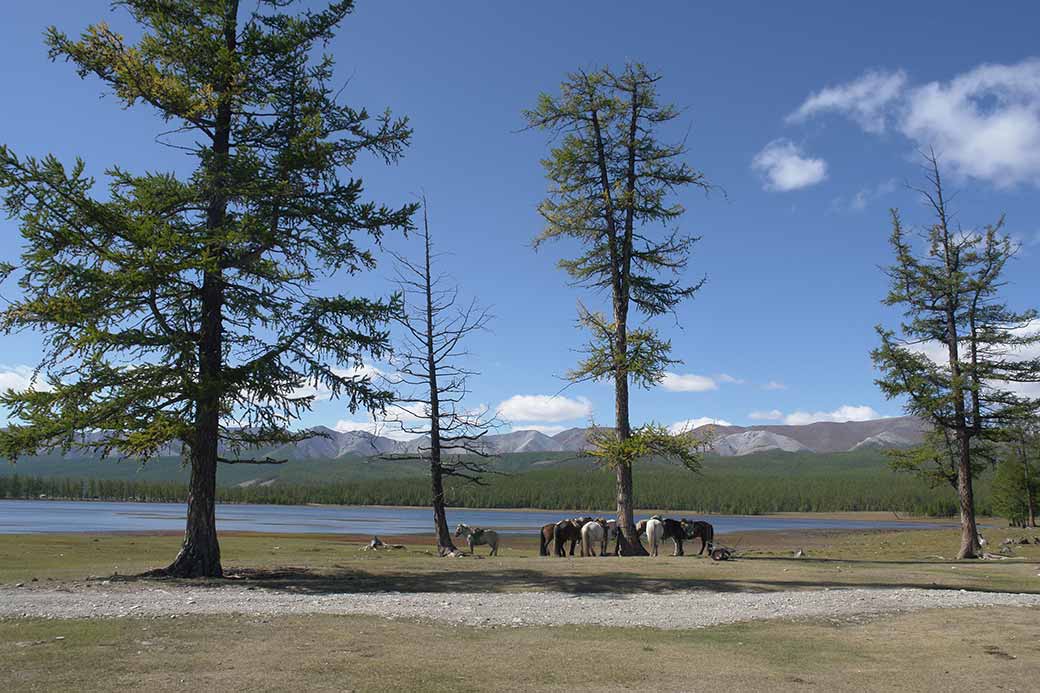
(488, 578)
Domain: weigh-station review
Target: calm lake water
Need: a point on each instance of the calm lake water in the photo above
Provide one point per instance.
(35, 517)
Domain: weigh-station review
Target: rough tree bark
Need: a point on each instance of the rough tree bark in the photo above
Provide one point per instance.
(200, 552)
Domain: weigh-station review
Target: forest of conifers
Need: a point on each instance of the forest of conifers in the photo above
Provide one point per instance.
(736, 492)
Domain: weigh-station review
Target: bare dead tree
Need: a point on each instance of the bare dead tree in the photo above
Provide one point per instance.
(431, 380)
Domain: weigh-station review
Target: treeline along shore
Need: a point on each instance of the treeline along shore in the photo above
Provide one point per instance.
(733, 493)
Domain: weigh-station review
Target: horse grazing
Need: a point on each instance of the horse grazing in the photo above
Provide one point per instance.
(476, 536)
(676, 530)
(593, 533)
(568, 531)
(545, 537)
(654, 529)
(704, 531)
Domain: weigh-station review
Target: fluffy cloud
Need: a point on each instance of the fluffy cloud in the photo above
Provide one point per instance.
(20, 378)
(774, 385)
(544, 408)
(727, 378)
(846, 412)
(690, 424)
(321, 393)
(785, 168)
(771, 415)
(688, 382)
(867, 100)
(984, 123)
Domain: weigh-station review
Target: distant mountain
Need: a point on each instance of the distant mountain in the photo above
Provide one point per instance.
(821, 437)
(729, 441)
(750, 442)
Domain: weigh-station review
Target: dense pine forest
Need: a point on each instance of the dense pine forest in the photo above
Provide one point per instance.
(762, 484)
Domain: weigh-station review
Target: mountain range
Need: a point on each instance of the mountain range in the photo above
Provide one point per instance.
(727, 441)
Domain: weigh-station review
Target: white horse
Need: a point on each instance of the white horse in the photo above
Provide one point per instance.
(654, 533)
(476, 536)
(592, 533)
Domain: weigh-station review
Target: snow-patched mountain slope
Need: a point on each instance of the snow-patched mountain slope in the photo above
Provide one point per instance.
(750, 442)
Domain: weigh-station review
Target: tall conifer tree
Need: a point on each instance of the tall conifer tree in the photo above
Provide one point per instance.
(186, 310)
(612, 179)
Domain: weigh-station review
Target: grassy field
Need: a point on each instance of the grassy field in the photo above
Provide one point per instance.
(995, 649)
(976, 649)
(335, 563)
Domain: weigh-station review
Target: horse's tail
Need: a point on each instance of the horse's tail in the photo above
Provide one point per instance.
(543, 543)
(556, 540)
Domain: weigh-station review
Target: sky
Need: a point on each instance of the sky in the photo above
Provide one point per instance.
(810, 123)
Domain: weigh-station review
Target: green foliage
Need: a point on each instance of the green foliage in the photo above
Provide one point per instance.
(777, 485)
(649, 442)
(172, 292)
(611, 181)
(936, 459)
(1012, 490)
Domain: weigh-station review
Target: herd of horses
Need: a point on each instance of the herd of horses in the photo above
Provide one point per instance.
(594, 533)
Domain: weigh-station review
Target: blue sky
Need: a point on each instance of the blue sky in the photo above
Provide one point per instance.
(809, 121)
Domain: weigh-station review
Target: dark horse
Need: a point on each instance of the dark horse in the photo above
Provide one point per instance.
(676, 530)
(701, 529)
(560, 533)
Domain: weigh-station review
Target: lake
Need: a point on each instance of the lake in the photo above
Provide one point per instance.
(42, 516)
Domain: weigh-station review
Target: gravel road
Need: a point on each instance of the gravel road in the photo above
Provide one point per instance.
(673, 610)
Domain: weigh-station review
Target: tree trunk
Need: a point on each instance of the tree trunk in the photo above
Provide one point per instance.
(970, 547)
(628, 543)
(1030, 495)
(445, 545)
(200, 552)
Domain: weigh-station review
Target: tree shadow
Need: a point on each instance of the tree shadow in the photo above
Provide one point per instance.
(351, 580)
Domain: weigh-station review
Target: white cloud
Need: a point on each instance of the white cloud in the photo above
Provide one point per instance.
(727, 378)
(867, 100)
(541, 428)
(785, 168)
(771, 415)
(774, 385)
(321, 393)
(688, 382)
(544, 408)
(690, 424)
(984, 123)
(20, 378)
(845, 412)
(864, 197)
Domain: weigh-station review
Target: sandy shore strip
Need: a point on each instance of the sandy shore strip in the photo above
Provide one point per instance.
(674, 610)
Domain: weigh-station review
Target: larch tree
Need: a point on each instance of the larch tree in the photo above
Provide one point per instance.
(959, 348)
(431, 380)
(612, 180)
(188, 311)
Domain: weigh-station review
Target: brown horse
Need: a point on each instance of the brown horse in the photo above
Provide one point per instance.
(701, 529)
(545, 536)
(568, 531)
